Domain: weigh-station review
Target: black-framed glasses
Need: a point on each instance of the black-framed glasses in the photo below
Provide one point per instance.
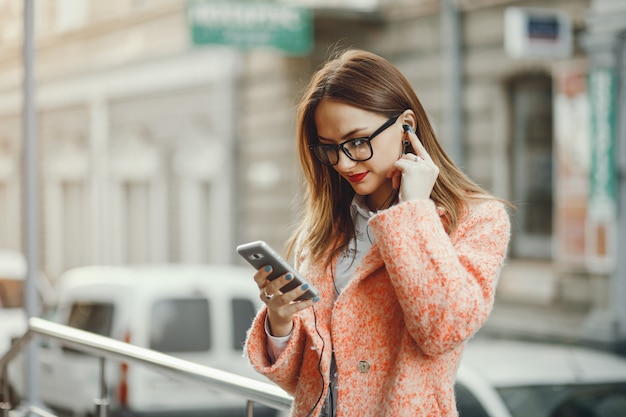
(357, 149)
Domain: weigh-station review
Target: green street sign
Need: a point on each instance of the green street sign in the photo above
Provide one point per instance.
(603, 176)
(251, 24)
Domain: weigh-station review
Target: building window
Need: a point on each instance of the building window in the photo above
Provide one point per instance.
(531, 165)
(137, 226)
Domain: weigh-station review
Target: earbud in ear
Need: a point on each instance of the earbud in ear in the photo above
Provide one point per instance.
(405, 145)
(408, 128)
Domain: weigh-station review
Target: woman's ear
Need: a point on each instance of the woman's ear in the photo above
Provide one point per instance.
(408, 119)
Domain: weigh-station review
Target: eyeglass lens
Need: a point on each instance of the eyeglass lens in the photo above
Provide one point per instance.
(356, 149)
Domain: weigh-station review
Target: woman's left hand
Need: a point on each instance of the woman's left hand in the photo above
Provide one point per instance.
(414, 174)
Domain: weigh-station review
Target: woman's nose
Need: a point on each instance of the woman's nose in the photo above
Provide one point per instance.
(344, 162)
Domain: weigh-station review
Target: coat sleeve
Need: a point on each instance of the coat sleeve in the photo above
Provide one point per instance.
(445, 284)
(301, 355)
(284, 371)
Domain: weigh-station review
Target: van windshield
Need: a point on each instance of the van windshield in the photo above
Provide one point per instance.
(11, 293)
(92, 317)
(180, 325)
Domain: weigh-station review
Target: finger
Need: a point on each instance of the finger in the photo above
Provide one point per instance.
(405, 164)
(413, 157)
(288, 309)
(395, 180)
(276, 286)
(260, 277)
(299, 306)
(265, 296)
(270, 293)
(419, 149)
(270, 289)
(292, 296)
(395, 174)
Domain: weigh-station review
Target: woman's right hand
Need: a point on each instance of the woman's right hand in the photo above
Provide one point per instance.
(281, 308)
(414, 174)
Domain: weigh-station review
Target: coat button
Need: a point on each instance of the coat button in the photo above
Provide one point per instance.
(363, 366)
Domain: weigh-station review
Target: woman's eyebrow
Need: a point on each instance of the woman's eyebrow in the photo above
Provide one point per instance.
(344, 137)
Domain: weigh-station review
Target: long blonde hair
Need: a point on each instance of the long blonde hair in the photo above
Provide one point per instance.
(369, 82)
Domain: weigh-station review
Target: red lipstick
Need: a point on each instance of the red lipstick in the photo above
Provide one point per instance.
(357, 177)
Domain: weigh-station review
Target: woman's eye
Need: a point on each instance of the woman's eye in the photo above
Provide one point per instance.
(358, 142)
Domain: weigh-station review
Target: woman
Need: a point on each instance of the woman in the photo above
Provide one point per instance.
(404, 249)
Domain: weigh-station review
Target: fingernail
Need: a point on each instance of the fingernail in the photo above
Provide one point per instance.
(288, 277)
(316, 299)
(268, 268)
(305, 286)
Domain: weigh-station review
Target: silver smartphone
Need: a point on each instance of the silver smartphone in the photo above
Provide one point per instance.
(258, 254)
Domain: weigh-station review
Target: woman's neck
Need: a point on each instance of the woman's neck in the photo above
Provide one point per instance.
(382, 199)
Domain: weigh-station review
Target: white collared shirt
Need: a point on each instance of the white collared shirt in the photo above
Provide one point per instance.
(346, 265)
(356, 250)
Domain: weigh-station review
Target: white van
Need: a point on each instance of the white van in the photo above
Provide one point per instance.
(197, 313)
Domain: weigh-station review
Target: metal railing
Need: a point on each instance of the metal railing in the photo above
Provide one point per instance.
(106, 348)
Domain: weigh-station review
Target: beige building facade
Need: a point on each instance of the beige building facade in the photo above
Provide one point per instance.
(157, 150)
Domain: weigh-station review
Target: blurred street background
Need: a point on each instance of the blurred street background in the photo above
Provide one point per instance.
(165, 132)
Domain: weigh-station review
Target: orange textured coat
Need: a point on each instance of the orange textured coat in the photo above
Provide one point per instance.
(398, 329)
